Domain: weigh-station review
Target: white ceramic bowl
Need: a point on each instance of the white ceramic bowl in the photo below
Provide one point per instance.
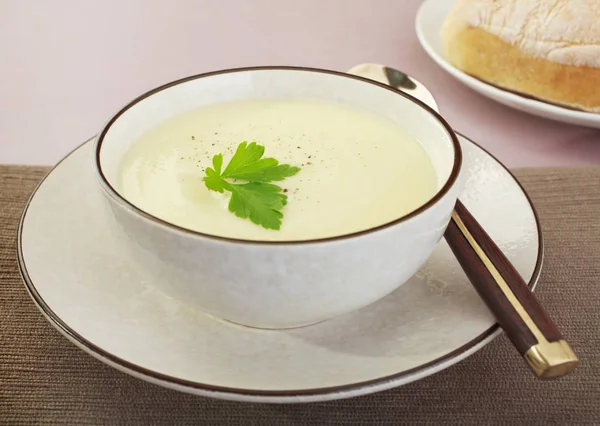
(280, 284)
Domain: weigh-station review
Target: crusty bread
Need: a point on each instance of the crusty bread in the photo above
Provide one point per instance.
(547, 49)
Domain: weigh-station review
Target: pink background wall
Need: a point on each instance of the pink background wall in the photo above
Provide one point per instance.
(67, 65)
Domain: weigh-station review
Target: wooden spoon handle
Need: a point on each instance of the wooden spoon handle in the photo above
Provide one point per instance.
(506, 294)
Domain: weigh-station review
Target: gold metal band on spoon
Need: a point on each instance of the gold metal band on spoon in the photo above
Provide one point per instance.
(546, 359)
(551, 359)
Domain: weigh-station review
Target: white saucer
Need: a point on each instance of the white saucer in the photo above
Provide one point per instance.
(78, 274)
(429, 20)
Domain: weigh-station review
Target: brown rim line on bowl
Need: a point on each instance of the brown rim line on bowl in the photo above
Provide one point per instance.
(119, 198)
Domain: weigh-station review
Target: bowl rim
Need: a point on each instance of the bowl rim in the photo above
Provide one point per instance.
(123, 202)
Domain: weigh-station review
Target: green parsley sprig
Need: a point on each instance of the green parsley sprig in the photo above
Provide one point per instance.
(255, 199)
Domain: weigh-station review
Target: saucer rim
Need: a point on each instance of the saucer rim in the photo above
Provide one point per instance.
(284, 395)
(526, 104)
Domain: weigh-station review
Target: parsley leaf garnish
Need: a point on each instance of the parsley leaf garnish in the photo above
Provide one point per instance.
(255, 199)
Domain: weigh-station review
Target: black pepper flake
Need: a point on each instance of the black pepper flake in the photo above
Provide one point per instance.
(193, 138)
(309, 164)
(285, 190)
(310, 156)
(216, 133)
(298, 147)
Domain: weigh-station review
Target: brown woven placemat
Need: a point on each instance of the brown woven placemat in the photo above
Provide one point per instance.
(46, 380)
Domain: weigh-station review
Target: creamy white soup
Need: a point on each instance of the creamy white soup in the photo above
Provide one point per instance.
(358, 170)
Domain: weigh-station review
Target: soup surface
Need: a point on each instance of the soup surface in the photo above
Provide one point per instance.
(358, 170)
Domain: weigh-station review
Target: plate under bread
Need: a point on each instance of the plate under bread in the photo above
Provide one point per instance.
(428, 24)
(81, 278)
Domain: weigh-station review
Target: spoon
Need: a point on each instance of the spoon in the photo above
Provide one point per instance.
(498, 283)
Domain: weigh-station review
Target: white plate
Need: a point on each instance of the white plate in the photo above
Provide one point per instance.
(78, 273)
(430, 17)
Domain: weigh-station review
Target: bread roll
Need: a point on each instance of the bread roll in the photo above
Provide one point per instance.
(547, 49)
